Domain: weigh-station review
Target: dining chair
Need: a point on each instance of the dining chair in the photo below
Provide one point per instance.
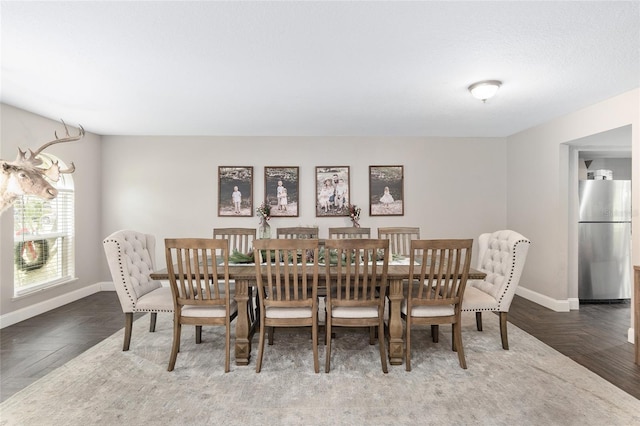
(349, 232)
(501, 255)
(400, 238)
(302, 232)
(288, 288)
(358, 287)
(131, 258)
(240, 241)
(200, 288)
(438, 272)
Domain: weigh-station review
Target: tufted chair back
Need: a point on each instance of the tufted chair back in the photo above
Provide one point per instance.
(131, 258)
(502, 255)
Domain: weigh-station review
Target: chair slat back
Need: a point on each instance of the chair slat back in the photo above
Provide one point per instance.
(349, 232)
(438, 271)
(195, 276)
(298, 232)
(240, 239)
(400, 238)
(290, 277)
(360, 273)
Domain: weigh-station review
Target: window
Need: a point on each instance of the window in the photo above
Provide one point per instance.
(44, 237)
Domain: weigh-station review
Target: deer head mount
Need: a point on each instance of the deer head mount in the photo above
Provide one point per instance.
(24, 176)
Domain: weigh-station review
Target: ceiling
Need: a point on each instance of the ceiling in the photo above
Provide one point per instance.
(314, 68)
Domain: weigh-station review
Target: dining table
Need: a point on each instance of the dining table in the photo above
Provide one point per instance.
(244, 276)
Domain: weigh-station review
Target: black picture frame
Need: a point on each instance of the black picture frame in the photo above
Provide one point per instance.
(284, 199)
(230, 177)
(333, 191)
(386, 190)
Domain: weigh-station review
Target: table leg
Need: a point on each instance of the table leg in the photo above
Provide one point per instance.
(396, 342)
(243, 325)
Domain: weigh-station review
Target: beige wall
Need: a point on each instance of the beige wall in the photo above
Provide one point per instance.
(167, 186)
(539, 188)
(26, 130)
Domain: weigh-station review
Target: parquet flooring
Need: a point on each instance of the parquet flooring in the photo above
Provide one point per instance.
(595, 336)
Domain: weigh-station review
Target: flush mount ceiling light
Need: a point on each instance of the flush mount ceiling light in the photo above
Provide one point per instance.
(484, 90)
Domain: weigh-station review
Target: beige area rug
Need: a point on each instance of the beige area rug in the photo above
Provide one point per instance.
(531, 384)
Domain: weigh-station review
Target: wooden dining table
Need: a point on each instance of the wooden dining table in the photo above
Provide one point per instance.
(244, 276)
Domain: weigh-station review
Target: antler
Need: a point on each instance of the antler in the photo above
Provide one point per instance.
(54, 171)
(32, 155)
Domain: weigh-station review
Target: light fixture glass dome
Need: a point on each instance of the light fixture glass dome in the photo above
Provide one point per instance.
(484, 90)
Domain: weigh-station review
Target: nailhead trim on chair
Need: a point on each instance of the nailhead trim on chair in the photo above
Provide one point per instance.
(513, 261)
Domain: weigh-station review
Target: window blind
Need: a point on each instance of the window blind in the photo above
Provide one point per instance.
(43, 241)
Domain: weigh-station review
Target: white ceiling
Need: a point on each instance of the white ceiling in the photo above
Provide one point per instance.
(314, 68)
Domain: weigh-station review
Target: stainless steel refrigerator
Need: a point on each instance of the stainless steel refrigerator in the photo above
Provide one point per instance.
(604, 250)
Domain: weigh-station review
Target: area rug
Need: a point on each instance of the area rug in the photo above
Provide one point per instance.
(530, 384)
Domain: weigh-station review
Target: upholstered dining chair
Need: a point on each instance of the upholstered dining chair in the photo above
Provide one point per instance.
(438, 272)
(349, 232)
(288, 288)
(310, 232)
(400, 238)
(131, 258)
(501, 255)
(358, 287)
(200, 288)
(240, 240)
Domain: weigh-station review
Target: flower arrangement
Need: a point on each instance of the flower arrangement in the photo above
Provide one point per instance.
(264, 212)
(354, 214)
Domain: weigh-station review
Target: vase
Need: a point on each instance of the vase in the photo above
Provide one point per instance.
(355, 223)
(264, 231)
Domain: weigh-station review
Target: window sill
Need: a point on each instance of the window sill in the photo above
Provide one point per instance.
(28, 291)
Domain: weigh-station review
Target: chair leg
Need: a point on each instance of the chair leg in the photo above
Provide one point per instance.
(128, 325)
(327, 364)
(453, 338)
(381, 342)
(227, 346)
(503, 330)
(175, 348)
(270, 331)
(198, 334)
(407, 351)
(372, 335)
(152, 322)
(314, 339)
(435, 329)
(260, 346)
(458, 338)
(479, 320)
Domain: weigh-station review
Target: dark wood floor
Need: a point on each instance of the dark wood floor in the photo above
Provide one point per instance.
(595, 336)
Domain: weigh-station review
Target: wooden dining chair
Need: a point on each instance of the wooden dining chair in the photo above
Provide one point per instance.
(310, 232)
(358, 287)
(438, 272)
(288, 288)
(200, 288)
(349, 232)
(240, 240)
(400, 238)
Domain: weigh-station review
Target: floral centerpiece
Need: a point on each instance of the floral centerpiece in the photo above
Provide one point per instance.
(264, 213)
(354, 214)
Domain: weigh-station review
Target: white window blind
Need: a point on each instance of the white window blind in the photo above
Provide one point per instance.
(43, 241)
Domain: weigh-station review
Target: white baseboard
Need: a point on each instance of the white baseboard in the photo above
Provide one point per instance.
(546, 301)
(42, 307)
(631, 336)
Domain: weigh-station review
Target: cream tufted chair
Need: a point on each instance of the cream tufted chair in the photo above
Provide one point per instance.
(131, 258)
(501, 255)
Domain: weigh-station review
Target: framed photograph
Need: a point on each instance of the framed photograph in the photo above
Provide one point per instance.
(386, 190)
(235, 191)
(332, 191)
(281, 190)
